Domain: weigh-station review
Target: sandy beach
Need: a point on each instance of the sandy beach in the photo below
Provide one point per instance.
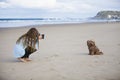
(63, 54)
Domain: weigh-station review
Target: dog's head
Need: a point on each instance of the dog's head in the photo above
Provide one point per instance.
(90, 43)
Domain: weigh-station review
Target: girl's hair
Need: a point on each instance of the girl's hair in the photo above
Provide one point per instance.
(31, 38)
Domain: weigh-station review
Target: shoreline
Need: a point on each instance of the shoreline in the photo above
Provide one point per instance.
(42, 25)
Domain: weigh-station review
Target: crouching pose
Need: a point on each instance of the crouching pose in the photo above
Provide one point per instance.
(27, 44)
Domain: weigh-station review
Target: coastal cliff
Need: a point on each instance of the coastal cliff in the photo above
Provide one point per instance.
(107, 15)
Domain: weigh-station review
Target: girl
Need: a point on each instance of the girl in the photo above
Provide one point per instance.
(27, 44)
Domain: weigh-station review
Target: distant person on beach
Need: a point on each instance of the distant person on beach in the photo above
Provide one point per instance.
(27, 44)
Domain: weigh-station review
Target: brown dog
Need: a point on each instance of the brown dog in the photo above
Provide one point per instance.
(93, 49)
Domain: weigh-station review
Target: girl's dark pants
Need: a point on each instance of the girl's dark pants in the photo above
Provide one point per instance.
(27, 54)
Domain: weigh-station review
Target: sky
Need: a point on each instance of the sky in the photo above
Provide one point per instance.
(55, 8)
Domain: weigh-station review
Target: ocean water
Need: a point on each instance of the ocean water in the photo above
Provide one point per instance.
(21, 22)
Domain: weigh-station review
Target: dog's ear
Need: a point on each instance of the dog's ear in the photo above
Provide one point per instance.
(93, 43)
(88, 42)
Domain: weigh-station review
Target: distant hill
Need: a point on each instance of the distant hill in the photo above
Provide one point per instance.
(108, 15)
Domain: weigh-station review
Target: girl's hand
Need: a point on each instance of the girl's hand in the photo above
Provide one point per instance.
(40, 37)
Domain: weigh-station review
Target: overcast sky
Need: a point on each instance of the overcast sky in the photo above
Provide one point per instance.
(55, 8)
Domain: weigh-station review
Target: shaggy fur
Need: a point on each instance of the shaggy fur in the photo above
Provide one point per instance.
(93, 49)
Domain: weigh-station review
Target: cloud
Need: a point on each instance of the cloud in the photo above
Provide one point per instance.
(2, 0)
(57, 7)
(85, 7)
(74, 6)
(29, 3)
(4, 5)
(61, 5)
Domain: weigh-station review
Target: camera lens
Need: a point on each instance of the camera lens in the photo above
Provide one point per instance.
(42, 36)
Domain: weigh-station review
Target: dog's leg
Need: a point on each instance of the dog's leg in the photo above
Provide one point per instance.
(91, 52)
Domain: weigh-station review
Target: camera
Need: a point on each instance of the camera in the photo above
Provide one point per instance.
(42, 36)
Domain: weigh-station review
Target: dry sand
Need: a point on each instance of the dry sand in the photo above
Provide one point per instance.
(63, 54)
